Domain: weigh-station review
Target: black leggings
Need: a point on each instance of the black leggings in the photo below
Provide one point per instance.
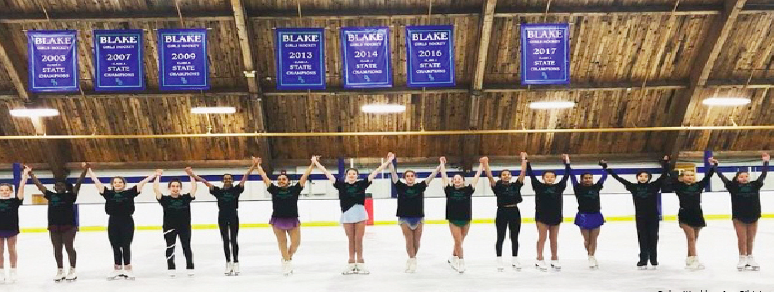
(121, 234)
(508, 217)
(60, 239)
(171, 233)
(647, 236)
(229, 229)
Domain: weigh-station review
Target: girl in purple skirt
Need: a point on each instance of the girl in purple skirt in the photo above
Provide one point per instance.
(284, 218)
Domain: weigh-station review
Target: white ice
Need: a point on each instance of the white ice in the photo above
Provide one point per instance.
(323, 254)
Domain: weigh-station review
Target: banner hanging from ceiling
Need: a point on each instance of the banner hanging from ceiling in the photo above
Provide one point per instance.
(430, 56)
(118, 58)
(300, 56)
(183, 63)
(52, 60)
(366, 55)
(545, 54)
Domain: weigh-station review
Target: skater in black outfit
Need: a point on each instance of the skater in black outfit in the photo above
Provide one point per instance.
(508, 195)
(645, 196)
(745, 210)
(177, 219)
(548, 211)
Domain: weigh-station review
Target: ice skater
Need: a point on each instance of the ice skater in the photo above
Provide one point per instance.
(284, 217)
(354, 215)
(645, 194)
(61, 221)
(589, 218)
(119, 205)
(690, 215)
(459, 209)
(411, 209)
(745, 210)
(548, 211)
(177, 219)
(508, 195)
(228, 215)
(9, 225)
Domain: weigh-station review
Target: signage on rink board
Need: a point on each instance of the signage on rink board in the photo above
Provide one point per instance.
(366, 55)
(183, 63)
(118, 60)
(430, 56)
(52, 60)
(300, 58)
(545, 55)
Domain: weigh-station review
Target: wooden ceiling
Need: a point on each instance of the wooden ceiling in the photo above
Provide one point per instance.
(632, 66)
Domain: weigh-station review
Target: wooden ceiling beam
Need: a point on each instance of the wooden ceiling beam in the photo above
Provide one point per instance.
(14, 64)
(516, 11)
(257, 115)
(472, 143)
(702, 66)
(491, 88)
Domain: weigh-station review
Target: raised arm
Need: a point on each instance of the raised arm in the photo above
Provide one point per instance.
(200, 179)
(710, 172)
(488, 171)
(25, 175)
(305, 176)
(77, 187)
(567, 169)
(97, 183)
(432, 175)
(474, 183)
(262, 173)
(156, 188)
(444, 177)
(766, 158)
(720, 173)
(393, 173)
(573, 179)
(249, 171)
(610, 171)
(35, 180)
(325, 171)
(531, 173)
(144, 181)
(523, 167)
(376, 171)
(194, 185)
(602, 179)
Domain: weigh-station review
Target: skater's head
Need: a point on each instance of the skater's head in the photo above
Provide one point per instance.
(61, 187)
(410, 176)
(505, 176)
(175, 186)
(587, 179)
(458, 181)
(742, 177)
(228, 180)
(643, 176)
(118, 183)
(283, 180)
(549, 177)
(6, 190)
(352, 174)
(688, 176)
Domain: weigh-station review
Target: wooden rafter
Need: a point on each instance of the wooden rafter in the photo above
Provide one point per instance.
(472, 143)
(254, 88)
(702, 66)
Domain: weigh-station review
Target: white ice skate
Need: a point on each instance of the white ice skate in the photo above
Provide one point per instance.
(71, 275)
(114, 275)
(360, 268)
(351, 269)
(500, 266)
(752, 264)
(516, 264)
(453, 262)
(593, 264)
(60, 275)
(461, 266)
(235, 269)
(742, 263)
(541, 265)
(129, 274)
(413, 265)
(555, 265)
(229, 269)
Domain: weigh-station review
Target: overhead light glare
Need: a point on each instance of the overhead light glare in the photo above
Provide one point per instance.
(551, 104)
(34, 112)
(726, 101)
(213, 110)
(383, 108)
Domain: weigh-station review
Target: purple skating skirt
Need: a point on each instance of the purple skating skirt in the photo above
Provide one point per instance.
(284, 223)
(8, 233)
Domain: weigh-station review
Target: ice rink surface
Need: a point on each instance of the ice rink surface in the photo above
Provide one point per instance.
(323, 255)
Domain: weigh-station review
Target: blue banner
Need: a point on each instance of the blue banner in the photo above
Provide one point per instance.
(300, 58)
(366, 55)
(183, 61)
(430, 56)
(118, 58)
(545, 54)
(52, 60)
